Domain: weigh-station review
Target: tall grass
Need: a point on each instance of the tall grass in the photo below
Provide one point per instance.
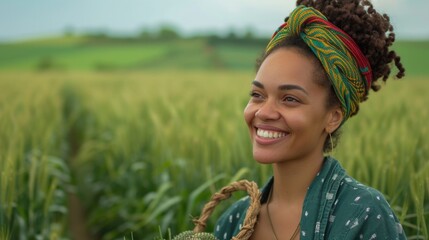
(33, 176)
(147, 149)
(386, 146)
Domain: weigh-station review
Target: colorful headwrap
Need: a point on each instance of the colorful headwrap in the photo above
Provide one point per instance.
(348, 69)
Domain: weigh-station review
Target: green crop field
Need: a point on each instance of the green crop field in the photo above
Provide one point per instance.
(86, 54)
(143, 134)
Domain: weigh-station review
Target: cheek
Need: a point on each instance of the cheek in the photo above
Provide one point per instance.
(303, 120)
(249, 113)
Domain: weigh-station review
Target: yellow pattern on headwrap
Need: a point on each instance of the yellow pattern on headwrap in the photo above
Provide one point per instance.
(333, 48)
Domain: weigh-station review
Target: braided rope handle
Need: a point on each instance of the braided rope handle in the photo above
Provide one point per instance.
(225, 193)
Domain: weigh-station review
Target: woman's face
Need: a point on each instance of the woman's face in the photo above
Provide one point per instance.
(286, 113)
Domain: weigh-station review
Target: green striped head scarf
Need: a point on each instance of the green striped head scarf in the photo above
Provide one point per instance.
(348, 69)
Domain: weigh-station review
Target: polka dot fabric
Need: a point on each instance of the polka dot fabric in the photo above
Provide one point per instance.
(336, 207)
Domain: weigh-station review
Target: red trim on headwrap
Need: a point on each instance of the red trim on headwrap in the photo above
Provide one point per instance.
(279, 29)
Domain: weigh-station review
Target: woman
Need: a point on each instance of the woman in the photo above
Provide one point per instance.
(317, 68)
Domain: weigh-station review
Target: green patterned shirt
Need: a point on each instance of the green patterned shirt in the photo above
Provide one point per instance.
(336, 207)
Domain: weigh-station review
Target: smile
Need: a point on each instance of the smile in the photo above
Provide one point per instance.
(269, 134)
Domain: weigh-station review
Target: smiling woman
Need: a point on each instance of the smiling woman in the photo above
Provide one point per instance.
(287, 92)
(318, 67)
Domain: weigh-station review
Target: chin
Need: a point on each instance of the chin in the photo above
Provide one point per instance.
(264, 161)
(265, 158)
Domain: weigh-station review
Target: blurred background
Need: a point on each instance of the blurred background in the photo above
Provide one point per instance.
(119, 119)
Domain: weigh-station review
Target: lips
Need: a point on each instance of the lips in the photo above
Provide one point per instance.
(269, 135)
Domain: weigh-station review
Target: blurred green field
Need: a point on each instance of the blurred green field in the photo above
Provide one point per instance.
(144, 143)
(83, 54)
(86, 54)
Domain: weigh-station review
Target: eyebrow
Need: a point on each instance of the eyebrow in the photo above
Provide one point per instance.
(281, 87)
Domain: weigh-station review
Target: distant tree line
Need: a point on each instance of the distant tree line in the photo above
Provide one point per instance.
(168, 32)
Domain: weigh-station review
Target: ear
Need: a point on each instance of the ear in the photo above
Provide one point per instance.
(335, 118)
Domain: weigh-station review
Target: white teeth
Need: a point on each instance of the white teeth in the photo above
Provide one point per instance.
(269, 134)
(265, 134)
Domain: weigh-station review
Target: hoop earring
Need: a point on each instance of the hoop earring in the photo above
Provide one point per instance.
(332, 143)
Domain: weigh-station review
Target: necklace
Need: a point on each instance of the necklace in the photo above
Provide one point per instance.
(271, 223)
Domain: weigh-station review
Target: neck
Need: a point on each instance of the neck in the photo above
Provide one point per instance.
(292, 179)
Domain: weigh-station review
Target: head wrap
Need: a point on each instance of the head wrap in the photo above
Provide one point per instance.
(348, 69)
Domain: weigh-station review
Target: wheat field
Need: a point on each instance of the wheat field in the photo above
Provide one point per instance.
(144, 151)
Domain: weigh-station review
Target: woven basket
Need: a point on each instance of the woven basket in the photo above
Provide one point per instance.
(225, 193)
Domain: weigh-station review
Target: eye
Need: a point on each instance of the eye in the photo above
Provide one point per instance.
(255, 95)
(290, 99)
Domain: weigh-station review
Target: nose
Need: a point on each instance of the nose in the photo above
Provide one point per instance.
(268, 111)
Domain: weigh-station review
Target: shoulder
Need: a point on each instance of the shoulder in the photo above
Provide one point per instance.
(229, 223)
(354, 193)
(363, 212)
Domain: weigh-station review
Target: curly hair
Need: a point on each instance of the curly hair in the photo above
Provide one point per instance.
(371, 31)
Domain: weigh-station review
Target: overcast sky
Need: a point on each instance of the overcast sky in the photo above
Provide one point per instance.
(21, 19)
